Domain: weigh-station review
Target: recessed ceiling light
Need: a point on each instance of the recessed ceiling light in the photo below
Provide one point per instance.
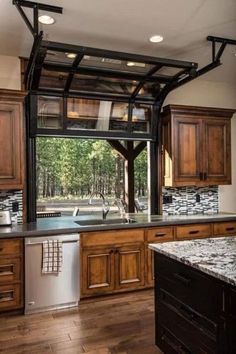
(71, 55)
(46, 20)
(130, 63)
(156, 38)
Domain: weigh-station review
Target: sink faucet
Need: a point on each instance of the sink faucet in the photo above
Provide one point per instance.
(105, 204)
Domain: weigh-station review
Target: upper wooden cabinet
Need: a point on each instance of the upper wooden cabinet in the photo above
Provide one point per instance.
(11, 139)
(196, 146)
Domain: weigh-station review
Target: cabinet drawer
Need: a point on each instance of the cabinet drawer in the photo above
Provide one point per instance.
(225, 228)
(10, 270)
(160, 234)
(188, 286)
(188, 331)
(10, 247)
(168, 342)
(193, 231)
(10, 296)
(112, 237)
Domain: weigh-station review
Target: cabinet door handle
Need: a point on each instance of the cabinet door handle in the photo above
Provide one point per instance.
(193, 232)
(160, 234)
(189, 314)
(201, 176)
(230, 228)
(111, 251)
(205, 176)
(1, 249)
(182, 279)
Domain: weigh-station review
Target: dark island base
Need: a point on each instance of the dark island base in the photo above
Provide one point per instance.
(195, 313)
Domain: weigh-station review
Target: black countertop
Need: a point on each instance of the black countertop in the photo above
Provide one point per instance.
(61, 225)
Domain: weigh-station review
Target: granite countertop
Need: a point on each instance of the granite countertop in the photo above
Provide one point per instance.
(213, 256)
(67, 224)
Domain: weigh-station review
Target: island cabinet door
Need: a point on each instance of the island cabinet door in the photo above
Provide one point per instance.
(97, 274)
(129, 266)
(217, 151)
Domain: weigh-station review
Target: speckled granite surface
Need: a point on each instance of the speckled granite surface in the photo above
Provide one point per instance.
(213, 256)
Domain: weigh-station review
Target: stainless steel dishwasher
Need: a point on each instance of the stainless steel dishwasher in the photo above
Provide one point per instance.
(49, 291)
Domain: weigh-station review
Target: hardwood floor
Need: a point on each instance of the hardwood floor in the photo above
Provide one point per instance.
(121, 324)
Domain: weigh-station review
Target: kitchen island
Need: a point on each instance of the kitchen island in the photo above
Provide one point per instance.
(195, 295)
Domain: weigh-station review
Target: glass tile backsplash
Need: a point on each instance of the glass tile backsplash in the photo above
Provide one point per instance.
(7, 198)
(191, 200)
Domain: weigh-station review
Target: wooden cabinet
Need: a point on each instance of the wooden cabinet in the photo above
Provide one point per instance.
(11, 139)
(195, 312)
(130, 266)
(196, 146)
(224, 228)
(112, 261)
(11, 274)
(98, 271)
(155, 235)
(192, 231)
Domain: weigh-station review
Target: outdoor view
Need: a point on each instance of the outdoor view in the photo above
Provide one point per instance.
(70, 170)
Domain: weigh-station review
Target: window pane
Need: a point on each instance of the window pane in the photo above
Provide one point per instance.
(49, 112)
(84, 114)
(141, 118)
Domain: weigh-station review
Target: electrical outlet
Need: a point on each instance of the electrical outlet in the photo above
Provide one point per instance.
(167, 199)
(15, 207)
(198, 198)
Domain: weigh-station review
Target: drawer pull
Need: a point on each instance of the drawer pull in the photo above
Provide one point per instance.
(179, 348)
(187, 313)
(7, 296)
(230, 228)
(6, 269)
(193, 232)
(182, 278)
(160, 234)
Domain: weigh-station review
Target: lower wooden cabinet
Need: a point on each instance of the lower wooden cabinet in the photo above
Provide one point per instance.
(120, 260)
(98, 270)
(11, 274)
(111, 269)
(129, 267)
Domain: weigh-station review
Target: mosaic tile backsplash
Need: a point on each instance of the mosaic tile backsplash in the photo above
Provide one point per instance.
(184, 200)
(6, 200)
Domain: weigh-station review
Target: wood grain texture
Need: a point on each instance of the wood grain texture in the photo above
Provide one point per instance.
(196, 146)
(11, 140)
(193, 231)
(121, 324)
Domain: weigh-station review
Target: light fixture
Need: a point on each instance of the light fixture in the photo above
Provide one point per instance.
(140, 65)
(46, 20)
(157, 38)
(71, 55)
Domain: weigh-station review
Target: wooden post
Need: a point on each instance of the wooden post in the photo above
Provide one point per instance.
(129, 177)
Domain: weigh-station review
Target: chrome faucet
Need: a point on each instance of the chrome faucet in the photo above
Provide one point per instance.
(105, 204)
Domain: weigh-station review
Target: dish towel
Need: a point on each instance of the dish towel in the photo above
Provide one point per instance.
(52, 257)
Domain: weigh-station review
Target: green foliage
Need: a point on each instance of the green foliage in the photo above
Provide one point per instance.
(78, 167)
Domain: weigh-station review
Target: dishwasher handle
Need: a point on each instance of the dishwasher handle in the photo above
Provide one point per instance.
(64, 239)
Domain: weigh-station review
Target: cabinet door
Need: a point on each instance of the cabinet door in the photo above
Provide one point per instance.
(187, 151)
(97, 275)
(130, 266)
(11, 146)
(217, 146)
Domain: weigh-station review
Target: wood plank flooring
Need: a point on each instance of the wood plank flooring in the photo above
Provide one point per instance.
(121, 324)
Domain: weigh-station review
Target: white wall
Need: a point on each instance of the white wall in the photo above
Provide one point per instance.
(213, 94)
(9, 73)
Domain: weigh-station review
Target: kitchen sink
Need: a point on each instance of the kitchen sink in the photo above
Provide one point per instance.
(105, 222)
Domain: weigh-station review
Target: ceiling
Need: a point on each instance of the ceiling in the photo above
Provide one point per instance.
(127, 25)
